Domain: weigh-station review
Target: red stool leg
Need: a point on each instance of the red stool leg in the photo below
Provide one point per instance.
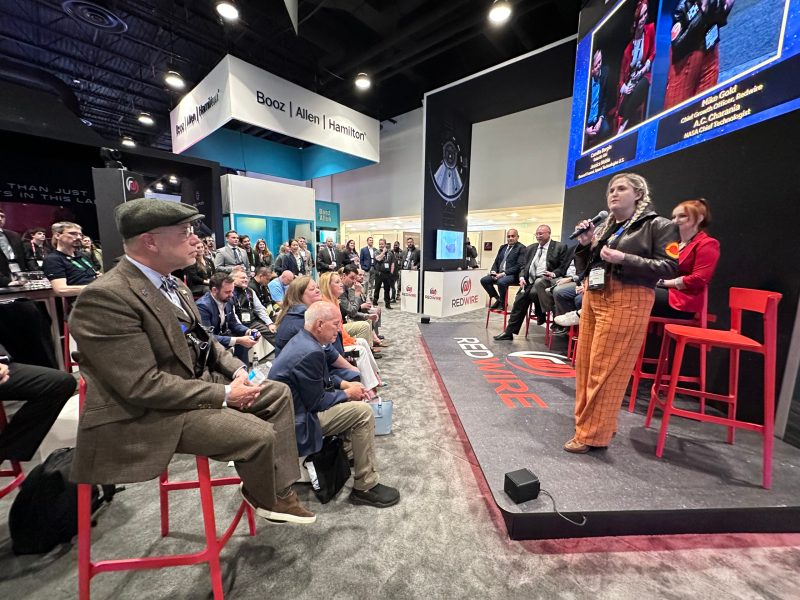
(488, 312)
(769, 416)
(637, 373)
(84, 540)
(702, 376)
(677, 360)
(163, 498)
(733, 390)
(662, 363)
(210, 526)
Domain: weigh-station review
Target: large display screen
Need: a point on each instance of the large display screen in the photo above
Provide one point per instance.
(449, 244)
(656, 76)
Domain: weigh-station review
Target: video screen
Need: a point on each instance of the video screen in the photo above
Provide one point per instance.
(449, 245)
(656, 76)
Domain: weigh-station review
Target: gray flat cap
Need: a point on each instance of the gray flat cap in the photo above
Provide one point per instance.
(140, 216)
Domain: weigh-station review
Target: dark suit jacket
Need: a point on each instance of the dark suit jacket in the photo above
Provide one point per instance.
(209, 314)
(514, 260)
(140, 377)
(15, 241)
(365, 258)
(302, 366)
(558, 256)
(324, 259)
(414, 258)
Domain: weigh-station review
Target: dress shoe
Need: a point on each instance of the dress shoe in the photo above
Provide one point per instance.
(503, 336)
(497, 305)
(379, 496)
(380, 337)
(558, 330)
(388, 306)
(285, 510)
(541, 320)
(576, 447)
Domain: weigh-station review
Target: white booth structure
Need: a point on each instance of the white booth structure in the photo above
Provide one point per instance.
(448, 293)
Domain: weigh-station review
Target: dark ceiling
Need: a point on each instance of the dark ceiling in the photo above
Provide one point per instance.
(112, 54)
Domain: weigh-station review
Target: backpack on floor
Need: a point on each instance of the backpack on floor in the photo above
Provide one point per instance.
(45, 511)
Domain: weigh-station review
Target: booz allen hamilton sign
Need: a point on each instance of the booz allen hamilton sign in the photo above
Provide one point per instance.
(237, 90)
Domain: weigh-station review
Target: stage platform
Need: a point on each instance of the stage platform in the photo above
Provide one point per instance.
(515, 401)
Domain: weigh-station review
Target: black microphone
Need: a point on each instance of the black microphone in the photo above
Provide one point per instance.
(599, 218)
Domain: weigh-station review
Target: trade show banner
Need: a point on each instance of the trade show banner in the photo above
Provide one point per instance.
(236, 90)
(451, 293)
(409, 291)
(446, 197)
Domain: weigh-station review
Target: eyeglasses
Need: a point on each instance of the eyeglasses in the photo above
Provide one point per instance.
(72, 233)
(184, 234)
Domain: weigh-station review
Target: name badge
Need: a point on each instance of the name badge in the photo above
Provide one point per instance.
(333, 264)
(597, 278)
(712, 37)
(386, 266)
(14, 267)
(246, 317)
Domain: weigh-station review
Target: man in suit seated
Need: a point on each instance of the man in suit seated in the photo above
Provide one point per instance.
(505, 269)
(159, 384)
(545, 261)
(324, 404)
(231, 255)
(218, 313)
(277, 287)
(328, 258)
(44, 391)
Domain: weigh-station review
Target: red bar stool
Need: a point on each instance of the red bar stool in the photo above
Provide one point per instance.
(572, 343)
(505, 312)
(68, 362)
(741, 299)
(656, 326)
(15, 472)
(210, 554)
(548, 319)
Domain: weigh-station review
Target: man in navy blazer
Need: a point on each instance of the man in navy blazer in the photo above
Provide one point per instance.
(231, 334)
(505, 269)
(324, 404)
(367, 259)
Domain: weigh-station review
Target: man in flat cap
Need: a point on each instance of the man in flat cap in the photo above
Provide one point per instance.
(158, 383)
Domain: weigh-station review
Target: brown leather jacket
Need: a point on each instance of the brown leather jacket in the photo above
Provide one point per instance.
(645, 245)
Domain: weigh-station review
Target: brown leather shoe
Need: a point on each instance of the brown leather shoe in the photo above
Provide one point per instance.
(576, 447)
(285, 510)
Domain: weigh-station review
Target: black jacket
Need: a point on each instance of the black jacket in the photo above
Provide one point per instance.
(557, 259)
(649, 246)
(514, 261)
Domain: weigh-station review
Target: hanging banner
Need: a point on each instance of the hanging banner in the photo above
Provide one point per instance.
(236, 90)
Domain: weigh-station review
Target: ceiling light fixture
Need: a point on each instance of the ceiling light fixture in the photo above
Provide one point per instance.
(174, 80)
(227, 10)
(362, 81)
(173, 180)
(500, 12)
(128, 141)
(159, 186)
(145, 118)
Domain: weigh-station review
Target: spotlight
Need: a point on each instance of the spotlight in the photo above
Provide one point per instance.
(174, 80)
(500, 12)
(173, 180)
(159, 186)
(362, 81)
(128, 141)
(227, 10)
(148, 191)
(145, 118)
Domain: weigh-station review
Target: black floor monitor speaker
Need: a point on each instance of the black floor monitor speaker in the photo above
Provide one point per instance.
(521, 485)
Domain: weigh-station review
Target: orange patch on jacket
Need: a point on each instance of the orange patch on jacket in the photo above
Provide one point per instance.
(672, 250)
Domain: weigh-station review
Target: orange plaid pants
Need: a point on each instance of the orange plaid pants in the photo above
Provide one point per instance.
(612, 328)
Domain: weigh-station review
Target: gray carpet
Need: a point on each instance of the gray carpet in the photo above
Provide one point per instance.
(442, 541)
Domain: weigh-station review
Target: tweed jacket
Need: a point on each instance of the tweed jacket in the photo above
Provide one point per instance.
(140, 377)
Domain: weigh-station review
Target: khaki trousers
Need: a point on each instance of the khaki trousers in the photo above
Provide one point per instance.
(357, 419)
(360, 329)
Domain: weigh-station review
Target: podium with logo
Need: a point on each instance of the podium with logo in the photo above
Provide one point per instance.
(409, 291)
(447, 293)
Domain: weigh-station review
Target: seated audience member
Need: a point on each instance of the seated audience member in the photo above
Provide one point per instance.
(301, 294)
(231, 255)
(44, 391)
(259, 283)
(12, 252)
(69, 271)
(568, 298)
(328, 258)
(262, 255)
(351, 305)
(698, 254)
(600, 100)
(330, 284)
(198, 273)
(92, 252)
(158, 384)
(277, 287)
(505, 270)
(545, 261)
(217, 312)
(327, 405)
(36, 247)
(248, 307)
(360, 288)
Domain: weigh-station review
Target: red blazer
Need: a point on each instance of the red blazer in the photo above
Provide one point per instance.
(696, 264)
(648, 53)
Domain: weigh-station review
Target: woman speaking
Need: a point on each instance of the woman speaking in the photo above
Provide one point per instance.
(621, 264)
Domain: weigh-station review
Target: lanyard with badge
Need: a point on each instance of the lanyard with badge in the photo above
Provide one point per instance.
(81, 263)
(597, 275)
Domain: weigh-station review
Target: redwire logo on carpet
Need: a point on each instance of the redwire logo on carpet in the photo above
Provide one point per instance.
(500, 373)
